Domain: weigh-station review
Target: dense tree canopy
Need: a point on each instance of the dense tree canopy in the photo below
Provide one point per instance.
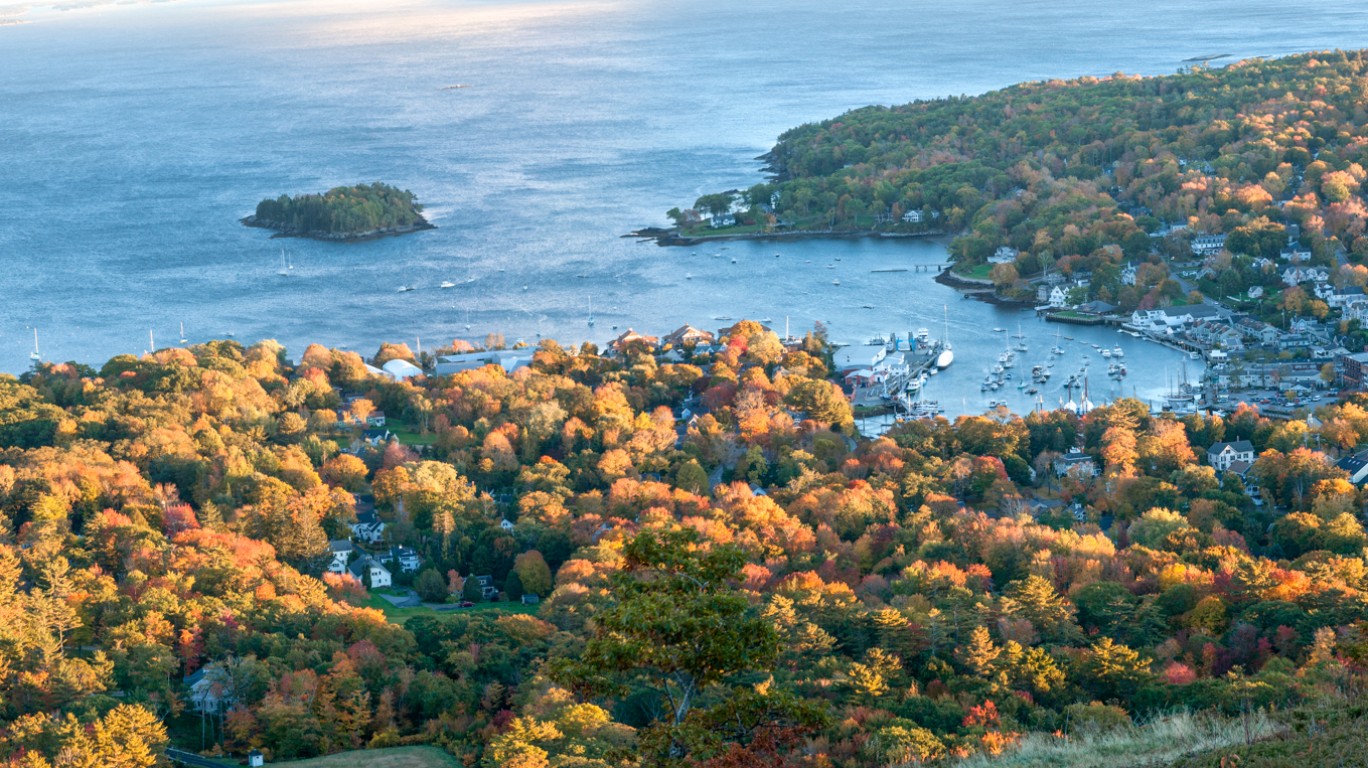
(341, 211)
(728, 574)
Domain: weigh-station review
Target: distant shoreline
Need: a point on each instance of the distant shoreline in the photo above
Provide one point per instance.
(340, 237)
(671, 236)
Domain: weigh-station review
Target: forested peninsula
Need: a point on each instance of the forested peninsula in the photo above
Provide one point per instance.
(357, 212)
(1078, 175)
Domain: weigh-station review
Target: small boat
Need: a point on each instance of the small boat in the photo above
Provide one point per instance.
(183, 340)
(733, 259)
(35, 356)
(836, 282)
(1106, 352)
(1118, 352)
(688, 275)
(405, 288)
(524, 287)
(448, 284)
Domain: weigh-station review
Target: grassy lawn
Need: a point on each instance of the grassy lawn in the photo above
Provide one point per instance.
(705, 232)
(978, 272)
(402, 615)
(409, 437)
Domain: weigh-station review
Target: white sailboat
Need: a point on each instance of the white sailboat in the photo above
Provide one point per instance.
(183, 340)
(947, 354)
(591, 311)
(283, 271)
(35, 356)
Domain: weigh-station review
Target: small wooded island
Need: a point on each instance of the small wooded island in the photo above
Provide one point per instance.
(358, 212)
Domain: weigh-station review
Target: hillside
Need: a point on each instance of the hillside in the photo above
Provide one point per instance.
(725, 573)
(1078, 175)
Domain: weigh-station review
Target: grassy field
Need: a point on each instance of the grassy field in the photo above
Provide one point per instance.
(1327, 735)
(402, 615)
(1160, 743)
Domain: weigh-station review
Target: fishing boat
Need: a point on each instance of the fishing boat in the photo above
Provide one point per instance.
(448, 284)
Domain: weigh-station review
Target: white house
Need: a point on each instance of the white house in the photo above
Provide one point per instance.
(341, 553)
(1059, 297)
(404, 558)
(1169, 319)
(368, 527)
(1343, 297)
(1004, 255)
(1356, 466)
(1222, 455)
(1075, 464)
(1297, 275)
(912, 217)
(210, 688)
(366, 567)
(1205, 245)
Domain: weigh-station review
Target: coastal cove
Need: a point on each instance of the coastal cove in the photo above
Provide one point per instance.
(146, 206)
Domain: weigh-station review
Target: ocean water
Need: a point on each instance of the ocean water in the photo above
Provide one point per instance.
(133, 137)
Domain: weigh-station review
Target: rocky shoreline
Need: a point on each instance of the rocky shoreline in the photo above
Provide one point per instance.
(671, 236)
(333, 237)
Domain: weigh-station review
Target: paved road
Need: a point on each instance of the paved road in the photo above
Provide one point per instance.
(181, 757)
